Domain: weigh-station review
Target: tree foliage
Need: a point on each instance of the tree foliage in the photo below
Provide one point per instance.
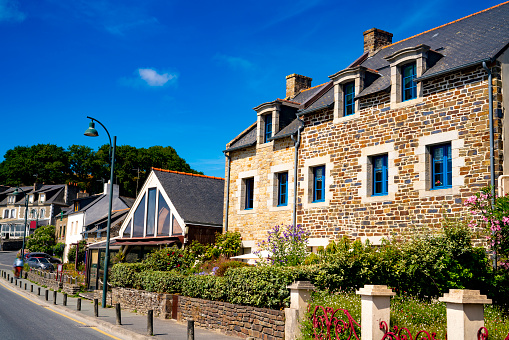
(71, 256)
(51, 164)
(42, 240)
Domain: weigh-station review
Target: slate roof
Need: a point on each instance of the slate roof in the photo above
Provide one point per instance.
(305, 95)
(289, 130)
(478, 37)
(247, 138)
(197, 198)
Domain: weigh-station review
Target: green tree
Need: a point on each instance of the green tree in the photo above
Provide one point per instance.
(71, 256)
(42, 240)
(82, 165)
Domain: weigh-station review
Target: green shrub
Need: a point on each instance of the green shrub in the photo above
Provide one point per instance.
(161, 282)
(126, 274)
(224, 266)
(167, 259)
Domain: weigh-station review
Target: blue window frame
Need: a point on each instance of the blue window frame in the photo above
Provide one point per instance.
(441, 164)
(349, 94)
(249, 185)
(409, 86)
(380, 178)
(319, 184)
(268, 128)
(282, 196)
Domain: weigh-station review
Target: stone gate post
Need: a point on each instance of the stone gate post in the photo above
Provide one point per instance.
(375, 307)
(465, 313)
(300, 293)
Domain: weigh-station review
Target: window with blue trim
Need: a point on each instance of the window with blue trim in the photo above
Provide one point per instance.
(349, 94)
(380, 178)
(441, 165)
(268, 128)
(282, 196)
(319, 184)
(249, 187)
(409, 87)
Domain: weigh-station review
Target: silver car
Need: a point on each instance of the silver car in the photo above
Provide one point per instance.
(40, 263)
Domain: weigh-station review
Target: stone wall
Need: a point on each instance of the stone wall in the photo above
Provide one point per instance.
(237, 320)
(453, 109)
(140, 301)
(68, 284)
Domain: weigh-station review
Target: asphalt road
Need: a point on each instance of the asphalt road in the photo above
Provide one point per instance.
(7, 259)
(23, 317)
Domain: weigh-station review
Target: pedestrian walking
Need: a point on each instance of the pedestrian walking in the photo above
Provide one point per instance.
(18, 265)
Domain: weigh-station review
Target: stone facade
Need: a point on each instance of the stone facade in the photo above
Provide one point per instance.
(67, 284)
(453, 109)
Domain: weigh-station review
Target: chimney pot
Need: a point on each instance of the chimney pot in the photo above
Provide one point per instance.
(296, 83)
(375, 39)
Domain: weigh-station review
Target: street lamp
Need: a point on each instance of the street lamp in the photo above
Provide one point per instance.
(25, 226)
(92, 132)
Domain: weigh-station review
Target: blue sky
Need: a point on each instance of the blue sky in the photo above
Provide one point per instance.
(180, 73)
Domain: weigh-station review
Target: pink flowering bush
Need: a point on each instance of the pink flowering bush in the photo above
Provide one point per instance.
(492, 215)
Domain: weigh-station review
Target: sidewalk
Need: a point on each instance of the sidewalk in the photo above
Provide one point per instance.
(134, 326)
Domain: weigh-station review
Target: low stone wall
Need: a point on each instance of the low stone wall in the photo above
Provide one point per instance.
(49, 280)
(238, 320)
(227, 318)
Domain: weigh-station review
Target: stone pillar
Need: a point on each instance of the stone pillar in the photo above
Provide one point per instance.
(465, 313)
(300, 293)
(375, 308)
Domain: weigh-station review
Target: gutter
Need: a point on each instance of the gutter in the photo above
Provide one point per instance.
(239, 147)
(297, 143)
(225, 227)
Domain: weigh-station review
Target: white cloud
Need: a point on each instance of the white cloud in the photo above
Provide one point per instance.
(9, 11)
(152, 78)
(235, 62)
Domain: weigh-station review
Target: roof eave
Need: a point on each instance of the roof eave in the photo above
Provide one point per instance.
(453, 69)
(301, 113)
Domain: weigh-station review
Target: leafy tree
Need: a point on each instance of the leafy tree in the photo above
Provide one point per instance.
(58, 249)
(42, 240)
(82, 165)
(71, 256)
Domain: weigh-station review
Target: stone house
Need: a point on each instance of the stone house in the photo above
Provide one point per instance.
(397, 139)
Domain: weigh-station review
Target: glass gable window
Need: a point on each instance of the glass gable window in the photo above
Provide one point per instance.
(127, 231)
(409, 86)
(268, 128)
(139, 219)
(319, 184)
(151, 211)
(380, 179)
(249, 187)
(441, 165)
(349, 94)
(282, 197)
(177, 229)
(163, 217)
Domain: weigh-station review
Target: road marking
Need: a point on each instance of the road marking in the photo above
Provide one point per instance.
(54, 311)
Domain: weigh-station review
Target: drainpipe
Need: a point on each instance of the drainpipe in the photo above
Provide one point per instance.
(225, 228)
(492, 165)
(297, 144)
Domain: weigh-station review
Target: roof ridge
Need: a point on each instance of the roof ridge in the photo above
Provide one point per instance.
(288, 101)
(449, 23)
(186, 173)
(314, 87)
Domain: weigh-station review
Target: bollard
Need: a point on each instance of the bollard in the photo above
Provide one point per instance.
(78, 304)
(20, 284)
(65, 300)
(150, 322)
(46, 295)
(118, 313)
(190, 329)
(25, 286)
(38, 291)
(55, 297)
(11, 279)
(15, 282)
(96, 308)
(31, 288)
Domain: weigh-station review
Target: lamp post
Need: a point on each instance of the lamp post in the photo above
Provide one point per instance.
(92, 132)
(25, 225)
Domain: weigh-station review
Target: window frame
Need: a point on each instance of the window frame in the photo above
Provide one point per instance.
(282, 193)
(318, 179)
(412, 85)
(249, 193)
(384, 170)
(446, 166)
(348, 94)
(267, 128)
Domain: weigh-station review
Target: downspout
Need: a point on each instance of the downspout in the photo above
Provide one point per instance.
(492, 165)
(225, 228)
(297, 144)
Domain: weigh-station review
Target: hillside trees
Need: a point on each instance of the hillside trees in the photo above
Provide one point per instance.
(51, 164)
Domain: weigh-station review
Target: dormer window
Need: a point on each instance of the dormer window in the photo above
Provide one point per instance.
(42, 198)
(31, 199)
(348, 99)
(409, 87)
(12, 199)
(268, 128)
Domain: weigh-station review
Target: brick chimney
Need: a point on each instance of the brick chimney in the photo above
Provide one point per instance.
(374, 39)
(296, 83)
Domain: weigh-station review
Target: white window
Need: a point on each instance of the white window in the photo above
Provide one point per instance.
(12, 199)
(42, 198)
(42, 213)
(13, 213)
(31, 199)
(6, 213)
(318, 180)
(247, 192)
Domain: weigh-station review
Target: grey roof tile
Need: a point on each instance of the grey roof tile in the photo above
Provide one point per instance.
(198, 199)
(248, 139)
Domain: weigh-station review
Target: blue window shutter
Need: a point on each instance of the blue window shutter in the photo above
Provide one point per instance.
(319, 184)
(441, 166)
(268, 128)
(348, 98)
(409, 87)
(282, 189)
(380, 175)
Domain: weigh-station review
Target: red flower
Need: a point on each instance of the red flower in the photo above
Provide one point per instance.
(173, 253)
(178, 265)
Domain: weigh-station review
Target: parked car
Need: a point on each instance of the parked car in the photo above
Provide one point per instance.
(41, 255)
(40, 263)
